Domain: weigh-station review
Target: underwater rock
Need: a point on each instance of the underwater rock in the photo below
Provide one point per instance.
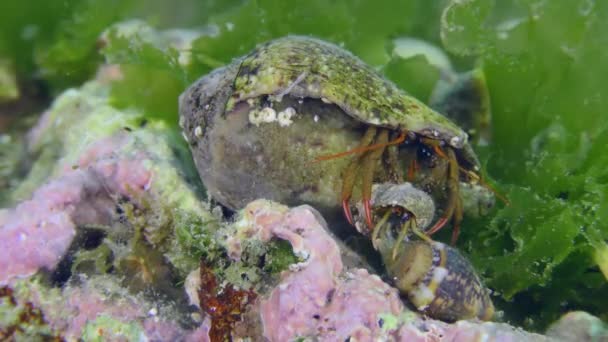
(578, 326)
(96, 308)
(108, 195)
(38, 232)
(319, 298)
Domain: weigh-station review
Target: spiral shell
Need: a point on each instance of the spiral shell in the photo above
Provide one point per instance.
(439, 281)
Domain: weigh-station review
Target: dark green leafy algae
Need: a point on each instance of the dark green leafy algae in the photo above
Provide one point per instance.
(544, 62)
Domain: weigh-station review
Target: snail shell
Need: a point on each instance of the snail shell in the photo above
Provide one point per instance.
(439, 281)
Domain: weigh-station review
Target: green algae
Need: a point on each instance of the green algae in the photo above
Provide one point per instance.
(548, 125)
(543, 62)
(105, 327)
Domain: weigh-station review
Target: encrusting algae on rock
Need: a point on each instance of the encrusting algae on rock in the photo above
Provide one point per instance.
(109, 238)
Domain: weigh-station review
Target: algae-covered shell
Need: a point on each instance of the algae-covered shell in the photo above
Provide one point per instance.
(241, 157)
(308, 67)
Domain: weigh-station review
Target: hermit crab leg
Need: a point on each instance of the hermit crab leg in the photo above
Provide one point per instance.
(365, 148)
(376, 150)
(380, 228)
(411, 170)
(457, 219)
(453, 207)
(350, 174)
(392, 159)
(409, 225)
(369, 164)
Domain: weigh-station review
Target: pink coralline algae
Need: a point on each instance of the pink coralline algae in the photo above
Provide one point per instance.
(38, 232)
(76, 312)
(321, 299)
(316, 297)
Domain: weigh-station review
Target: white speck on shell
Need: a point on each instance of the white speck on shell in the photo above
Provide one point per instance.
(185, 137)
(182, 122)
(439, 273)
(423, 296)
(316, 118)
(265, 115)
(455, 141)
(198, 131)
(285, 116)
(438, 245)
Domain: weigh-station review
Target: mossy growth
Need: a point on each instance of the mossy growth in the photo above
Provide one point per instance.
(105, 328)
(279, 256)
(20, 320)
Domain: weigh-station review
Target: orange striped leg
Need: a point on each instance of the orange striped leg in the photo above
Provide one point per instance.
(453, 209)
(369, 164)
(350, 174)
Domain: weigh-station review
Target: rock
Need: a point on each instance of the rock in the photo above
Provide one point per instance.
(578, 326)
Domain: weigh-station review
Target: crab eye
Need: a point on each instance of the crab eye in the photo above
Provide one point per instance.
(424, 152)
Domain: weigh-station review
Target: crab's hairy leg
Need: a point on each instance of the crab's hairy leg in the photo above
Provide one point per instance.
(453, 193)
(361, 149)
(380, 226)
(392, 159)
(402, 235)
(410, 225)
(440, 152)
(350, 174)
(419, 233)
(457, 220)
(437, 226)
(411, 170)
(348, 182)
(369, 164)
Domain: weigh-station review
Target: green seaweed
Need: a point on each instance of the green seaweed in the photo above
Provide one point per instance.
(549, 129)
(106, 327)
(56, 41)
(544, 63)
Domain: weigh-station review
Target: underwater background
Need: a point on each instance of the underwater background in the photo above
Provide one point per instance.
(545, 63)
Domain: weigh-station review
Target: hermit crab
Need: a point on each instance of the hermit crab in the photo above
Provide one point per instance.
(437, 279)
(277, 122)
